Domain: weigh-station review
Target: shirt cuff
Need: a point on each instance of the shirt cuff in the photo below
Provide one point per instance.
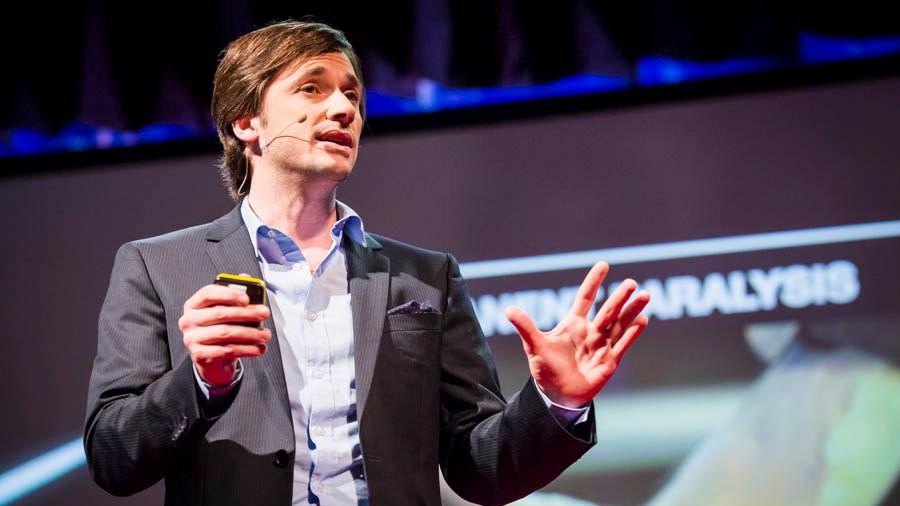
(215, 392)
(569, 417)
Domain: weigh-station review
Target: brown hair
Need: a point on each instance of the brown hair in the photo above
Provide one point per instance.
(246, 69)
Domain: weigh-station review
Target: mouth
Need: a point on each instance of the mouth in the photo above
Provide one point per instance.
(336, 137)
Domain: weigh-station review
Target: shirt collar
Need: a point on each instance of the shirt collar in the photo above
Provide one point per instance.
(348, 221)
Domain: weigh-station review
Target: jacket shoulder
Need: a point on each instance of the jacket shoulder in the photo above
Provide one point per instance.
(421, 263)
(397, 250)
(191, 238)
(186, 239)
(175, 236)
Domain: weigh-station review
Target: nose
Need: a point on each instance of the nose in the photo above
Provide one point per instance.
(341, 109)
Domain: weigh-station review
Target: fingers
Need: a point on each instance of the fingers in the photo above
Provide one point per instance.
(587, 292)
(220, 335)
(215, 356)
(216, 295)
(212, 328)
(216, 304)
(611, 309)
(206, 355)
(217, 315)
(628, 315)
(532, 337)
(214, 349)
(630, 335)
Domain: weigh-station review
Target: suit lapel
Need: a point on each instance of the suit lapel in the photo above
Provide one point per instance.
(231, 251)
(368, 274)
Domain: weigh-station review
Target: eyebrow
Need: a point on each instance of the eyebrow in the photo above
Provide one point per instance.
(318, 71)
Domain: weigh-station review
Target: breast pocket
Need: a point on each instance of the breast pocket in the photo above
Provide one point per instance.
(411, 322)
(416, 338)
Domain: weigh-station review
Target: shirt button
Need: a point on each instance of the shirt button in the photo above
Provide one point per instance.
(311, 316)
(317, 373)
(297, 266)
(318, 487)
(271, 234)
(319, 430)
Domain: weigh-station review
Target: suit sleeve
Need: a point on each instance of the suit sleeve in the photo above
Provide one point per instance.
(493, 452)
(141, 410)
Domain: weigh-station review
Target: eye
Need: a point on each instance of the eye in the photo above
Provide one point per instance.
(309, 88)
(352, 96)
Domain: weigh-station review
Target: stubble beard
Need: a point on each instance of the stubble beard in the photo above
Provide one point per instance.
(313, 168)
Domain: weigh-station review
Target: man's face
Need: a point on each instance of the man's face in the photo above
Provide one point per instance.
(325, 91)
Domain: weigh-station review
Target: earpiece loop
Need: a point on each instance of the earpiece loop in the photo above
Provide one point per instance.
(246, 174)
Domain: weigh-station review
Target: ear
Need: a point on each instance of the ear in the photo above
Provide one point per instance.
(246, 129)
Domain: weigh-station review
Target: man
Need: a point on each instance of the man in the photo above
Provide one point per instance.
(369, 371)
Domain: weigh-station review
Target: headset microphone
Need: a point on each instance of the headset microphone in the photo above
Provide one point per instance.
(300, 119)
(265, 145)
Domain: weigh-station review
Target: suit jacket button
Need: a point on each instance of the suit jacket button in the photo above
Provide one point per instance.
(281, 458)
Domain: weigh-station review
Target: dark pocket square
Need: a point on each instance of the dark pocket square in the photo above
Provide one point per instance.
(412, 307)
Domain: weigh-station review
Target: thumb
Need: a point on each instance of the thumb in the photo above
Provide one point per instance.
(531, 335)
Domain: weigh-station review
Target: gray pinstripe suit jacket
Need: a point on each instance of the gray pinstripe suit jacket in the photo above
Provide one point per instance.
(427, 391)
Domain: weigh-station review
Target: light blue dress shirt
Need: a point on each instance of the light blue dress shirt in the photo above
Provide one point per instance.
(314, 327)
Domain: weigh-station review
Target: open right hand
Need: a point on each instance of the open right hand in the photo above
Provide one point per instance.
(212, 337)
